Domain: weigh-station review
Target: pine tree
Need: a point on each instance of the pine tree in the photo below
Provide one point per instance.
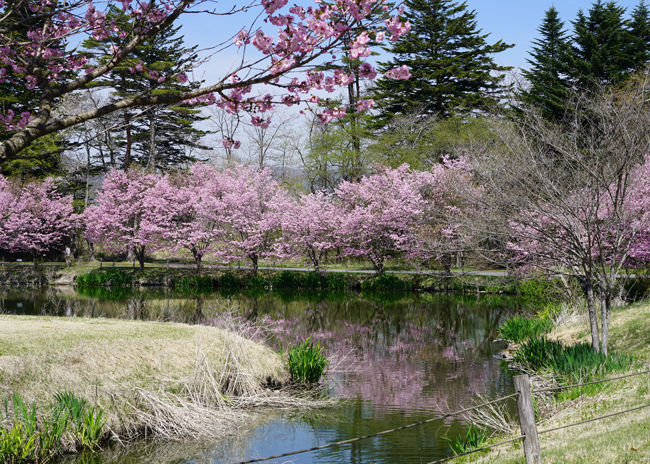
(548, 85)
(639, 26)
(161, 137)
(451, 63)
(16, 97)
(604, 50)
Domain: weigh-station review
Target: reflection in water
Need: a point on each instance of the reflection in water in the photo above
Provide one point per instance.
(396, 359)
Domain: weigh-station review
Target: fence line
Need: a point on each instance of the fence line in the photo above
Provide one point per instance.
(564, 387)
(594, 419)
(455, 413)
(384, 432)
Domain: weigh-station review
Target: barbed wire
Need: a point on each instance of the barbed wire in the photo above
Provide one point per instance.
(564, 387)
(384, 432)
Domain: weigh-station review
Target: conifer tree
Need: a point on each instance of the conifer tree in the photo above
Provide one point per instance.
(547, 77)
(451, 63)
(17, 98)
(159, 137)
(604, 50)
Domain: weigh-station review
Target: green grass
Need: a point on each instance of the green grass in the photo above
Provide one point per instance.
(573, 363)
(307, 363)
(473, 439)
(70, 423)
(520, 328)
(110, 277)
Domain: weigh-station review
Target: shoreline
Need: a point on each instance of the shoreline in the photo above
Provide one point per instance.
(165, 380)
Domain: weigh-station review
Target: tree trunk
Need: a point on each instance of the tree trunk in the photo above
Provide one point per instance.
(198, 257)
(604, 321)
(91, 250)
(254, 259)
(139, 253)
(588, 289)
(152, 141)
(127, 122)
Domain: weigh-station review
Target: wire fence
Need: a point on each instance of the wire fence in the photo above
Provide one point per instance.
(523, 436)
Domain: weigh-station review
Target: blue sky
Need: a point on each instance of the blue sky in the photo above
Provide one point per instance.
(513, 21)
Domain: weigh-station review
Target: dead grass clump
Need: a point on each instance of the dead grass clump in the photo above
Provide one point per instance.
(494, 417)
(173, 418)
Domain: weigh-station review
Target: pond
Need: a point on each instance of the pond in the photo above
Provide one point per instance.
(395, 358)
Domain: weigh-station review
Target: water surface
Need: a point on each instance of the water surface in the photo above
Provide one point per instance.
(395, 359)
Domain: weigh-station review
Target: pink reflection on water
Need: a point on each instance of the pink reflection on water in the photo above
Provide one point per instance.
(412, 366)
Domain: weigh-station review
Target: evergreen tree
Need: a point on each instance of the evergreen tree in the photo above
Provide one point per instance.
(639, 26)
(604, 50)
(16, 97)
(451, 63)
(160, 137)
(548, 85)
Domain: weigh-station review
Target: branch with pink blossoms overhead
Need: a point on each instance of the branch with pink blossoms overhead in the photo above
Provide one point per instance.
(304, 39)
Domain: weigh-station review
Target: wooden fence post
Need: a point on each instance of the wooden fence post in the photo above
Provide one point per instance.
(532, 451)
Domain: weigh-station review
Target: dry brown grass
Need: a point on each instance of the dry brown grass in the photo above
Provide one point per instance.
(173, 380)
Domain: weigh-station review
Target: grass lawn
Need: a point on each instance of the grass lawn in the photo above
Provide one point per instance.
(621, 439)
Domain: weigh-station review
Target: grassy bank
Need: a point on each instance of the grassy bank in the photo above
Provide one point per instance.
(168, 380)
(619, 439)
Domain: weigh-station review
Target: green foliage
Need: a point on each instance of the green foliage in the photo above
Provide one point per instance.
(193, 282)
(520, 328)
(111, 277)
(31, 438)
(537, 293)
(386, 282)
(549, 90)
(451, 62)
(292, 279)
(473, 439)
(307, 363)
(229, 281)
(578, 362)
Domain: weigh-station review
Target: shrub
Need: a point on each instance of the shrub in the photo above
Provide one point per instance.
(193, 282)
(108, 277)
(229, 281)
(307, 363)
(519, 328)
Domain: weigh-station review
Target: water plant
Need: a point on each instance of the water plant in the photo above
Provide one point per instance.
(307, 363)
(473, 439)
(26, 436)
(105, 277)
(575, 362)
(520, 328)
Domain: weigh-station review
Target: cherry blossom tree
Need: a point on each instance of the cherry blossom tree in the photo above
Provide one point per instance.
(380, 214)
(124, 218)
(310, 227)
(574, 203)
(34, 218)
(37, 49)
(250, 210)
(187, 208)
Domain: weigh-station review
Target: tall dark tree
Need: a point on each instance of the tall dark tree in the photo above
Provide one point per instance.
(15, 96)
(547, 77)
(158, 137)
(603, 51)
(639, 26)
(451, 63)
